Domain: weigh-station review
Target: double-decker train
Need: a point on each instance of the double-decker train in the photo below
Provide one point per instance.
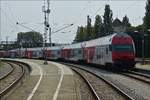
(115, 50)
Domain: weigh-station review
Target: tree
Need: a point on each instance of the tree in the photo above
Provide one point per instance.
(108, 20)
(98, 26)
(29, 39)
(147, 16)
(89, 29)
(146, 28)
(80, 35)
(126, 22)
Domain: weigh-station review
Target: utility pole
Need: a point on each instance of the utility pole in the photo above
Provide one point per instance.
(46, 28)
(0, 25)
(143, 48)
(7, 42)
(50, 40)
(48, 12)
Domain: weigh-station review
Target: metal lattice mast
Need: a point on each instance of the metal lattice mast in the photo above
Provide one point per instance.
(46, 28)
(0, 25)
(48, 12)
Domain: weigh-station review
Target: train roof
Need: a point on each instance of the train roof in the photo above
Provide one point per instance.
(74, 46)
(96, 42)
(106, 40)
(36, 49)
(100, 41)
(55, 48)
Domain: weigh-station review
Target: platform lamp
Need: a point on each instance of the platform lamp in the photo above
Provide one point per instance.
(143, 37)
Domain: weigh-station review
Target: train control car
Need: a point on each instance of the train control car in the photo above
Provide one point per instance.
(116, 50)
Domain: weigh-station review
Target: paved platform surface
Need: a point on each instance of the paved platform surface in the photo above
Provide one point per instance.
(46, 82)
(145, 66)
(140, 59)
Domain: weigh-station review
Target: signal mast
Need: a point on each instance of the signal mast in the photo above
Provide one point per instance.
(46, 28)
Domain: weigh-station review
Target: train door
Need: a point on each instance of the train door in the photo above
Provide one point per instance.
(29, 54)
(97, 57)
(90, 54)
(107, 54)
(12, 54)
(48, 53)
(102, 53)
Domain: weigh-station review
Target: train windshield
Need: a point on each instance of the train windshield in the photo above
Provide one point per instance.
(122, 47)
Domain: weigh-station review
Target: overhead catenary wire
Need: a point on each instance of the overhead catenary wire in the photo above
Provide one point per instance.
(12, 14)
(127, 8)
(80, 13)
(37, 27)
(10, 21)
(100, 8)
(26, 27)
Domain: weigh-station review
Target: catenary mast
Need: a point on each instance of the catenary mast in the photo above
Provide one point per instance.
(46, 28)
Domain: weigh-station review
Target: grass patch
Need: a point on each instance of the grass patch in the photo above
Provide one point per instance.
(1, 64)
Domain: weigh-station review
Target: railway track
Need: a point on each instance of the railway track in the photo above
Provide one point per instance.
(138, 76)
(139, 70)
(140, 73)
(102, 88)
(9, 80)
(8, 72)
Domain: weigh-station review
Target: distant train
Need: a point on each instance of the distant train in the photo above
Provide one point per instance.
(115, 50)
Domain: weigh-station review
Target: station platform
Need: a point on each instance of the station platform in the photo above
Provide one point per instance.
(143, 66)
(46, 82)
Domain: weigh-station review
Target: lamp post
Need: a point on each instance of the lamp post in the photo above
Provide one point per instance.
(20, 49)
(7, 42)
(143, 40)
(143, 48)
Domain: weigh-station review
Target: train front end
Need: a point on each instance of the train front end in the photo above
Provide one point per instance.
(123, 51)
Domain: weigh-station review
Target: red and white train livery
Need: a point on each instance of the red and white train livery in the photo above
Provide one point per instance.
(116, 49)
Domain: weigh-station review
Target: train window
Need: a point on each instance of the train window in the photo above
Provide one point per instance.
(73, 51)
(106, 50)
(125, 47)
(110, 39)
(79, 51)
(110, 48)
(99, 56)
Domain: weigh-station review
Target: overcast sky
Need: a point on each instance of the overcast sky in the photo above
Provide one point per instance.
(29, 13)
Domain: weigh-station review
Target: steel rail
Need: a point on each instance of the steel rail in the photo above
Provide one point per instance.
(89, 84)
(140, 74)
(146, 71)
(8, 88)
(134, 77)
(9, 72)
(128, 97)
